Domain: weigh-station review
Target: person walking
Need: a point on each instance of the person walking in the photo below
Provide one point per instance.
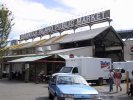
(111, 74)
(118, 80)
(131, 85)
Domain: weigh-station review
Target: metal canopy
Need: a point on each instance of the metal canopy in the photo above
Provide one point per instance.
(28, 59)
(83, 35)
(66, 56)
(126, 34)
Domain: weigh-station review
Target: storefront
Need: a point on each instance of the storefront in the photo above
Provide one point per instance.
(29, 68)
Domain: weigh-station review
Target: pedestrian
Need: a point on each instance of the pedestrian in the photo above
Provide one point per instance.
(118, 80)
(111, 74)
(131, 85)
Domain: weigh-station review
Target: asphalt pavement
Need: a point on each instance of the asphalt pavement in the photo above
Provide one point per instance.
(104, 90)
(120, 95)
(18, 90)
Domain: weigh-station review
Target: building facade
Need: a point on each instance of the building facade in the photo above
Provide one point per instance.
(49, 55)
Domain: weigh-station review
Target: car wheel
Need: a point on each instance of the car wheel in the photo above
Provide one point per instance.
(51, 96)
(100, 81)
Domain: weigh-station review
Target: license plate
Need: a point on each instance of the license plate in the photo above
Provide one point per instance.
(69, 98)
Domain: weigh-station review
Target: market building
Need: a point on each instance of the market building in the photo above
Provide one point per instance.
(127, 37)
(48, 55)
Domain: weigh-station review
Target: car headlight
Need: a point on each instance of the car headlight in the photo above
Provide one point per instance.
(95, 96)
(67, 95)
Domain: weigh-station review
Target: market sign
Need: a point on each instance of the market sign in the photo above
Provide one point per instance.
(68, 25)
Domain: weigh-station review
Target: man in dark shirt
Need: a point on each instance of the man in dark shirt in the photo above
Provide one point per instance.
(131, 85)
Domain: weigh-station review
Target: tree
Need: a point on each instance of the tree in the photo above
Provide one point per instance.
(5, 27)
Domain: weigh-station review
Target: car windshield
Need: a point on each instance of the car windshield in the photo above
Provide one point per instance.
(66, 70)
(71, 80)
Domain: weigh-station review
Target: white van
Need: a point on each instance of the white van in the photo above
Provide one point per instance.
(92, 69)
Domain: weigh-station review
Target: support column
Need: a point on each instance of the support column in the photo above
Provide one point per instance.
(10, 72)
(109, 21)
(26, 73)
(93, 48)
(90, 25)
(123, 53)
(45, 69)
(0, 70)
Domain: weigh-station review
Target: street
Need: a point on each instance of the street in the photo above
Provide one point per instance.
(18, 90)
(106, 95)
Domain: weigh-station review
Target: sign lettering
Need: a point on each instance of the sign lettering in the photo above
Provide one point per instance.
(105, 64)
(68, 25)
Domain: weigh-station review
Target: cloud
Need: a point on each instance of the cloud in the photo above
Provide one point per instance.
(29, 16)
(32, 15)
(120, 10)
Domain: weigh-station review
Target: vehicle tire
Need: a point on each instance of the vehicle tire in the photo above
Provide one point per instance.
(51, 96)
(100, 81)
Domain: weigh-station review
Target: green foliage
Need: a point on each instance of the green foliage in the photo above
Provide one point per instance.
(5, 27)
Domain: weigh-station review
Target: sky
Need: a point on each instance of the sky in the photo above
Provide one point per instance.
(30, 15)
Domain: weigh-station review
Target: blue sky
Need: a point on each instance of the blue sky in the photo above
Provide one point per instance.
(51, 4)
(30, 15)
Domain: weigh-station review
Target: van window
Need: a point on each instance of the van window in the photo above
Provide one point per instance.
(66, 70)
(75, 70)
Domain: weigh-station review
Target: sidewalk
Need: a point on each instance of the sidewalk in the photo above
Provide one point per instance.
(104, 90)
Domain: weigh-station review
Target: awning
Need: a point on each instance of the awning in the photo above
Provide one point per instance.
(66, 56)
(28, 59)
(64, 50)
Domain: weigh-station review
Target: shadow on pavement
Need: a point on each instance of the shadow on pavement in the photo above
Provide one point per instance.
(42, 98)
(7, 81)
(113, 93)
(125, 98)
(116, 98)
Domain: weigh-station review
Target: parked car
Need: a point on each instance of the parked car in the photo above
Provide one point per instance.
(71, 87)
